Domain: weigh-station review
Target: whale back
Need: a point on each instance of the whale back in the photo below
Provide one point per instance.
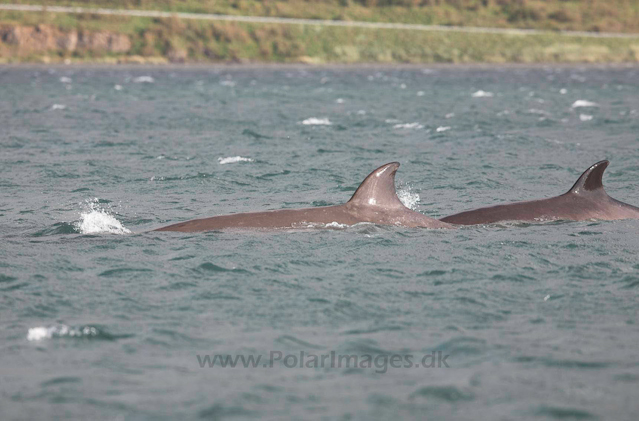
(585, 200)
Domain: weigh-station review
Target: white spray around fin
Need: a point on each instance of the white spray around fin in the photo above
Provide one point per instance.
(95, 220)
(408, 197)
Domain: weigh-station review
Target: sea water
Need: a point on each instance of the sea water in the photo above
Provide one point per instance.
(101, 318)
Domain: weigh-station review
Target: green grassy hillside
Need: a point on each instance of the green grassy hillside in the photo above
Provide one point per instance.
(31, 36)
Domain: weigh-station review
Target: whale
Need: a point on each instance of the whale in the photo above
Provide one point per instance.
(375, 201)
(586, 200)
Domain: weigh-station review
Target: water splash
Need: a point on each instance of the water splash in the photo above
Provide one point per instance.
(39, 333)
(335, 224)
(408, 197)
(95, 220)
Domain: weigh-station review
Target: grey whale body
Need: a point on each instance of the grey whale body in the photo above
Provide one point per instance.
(586, 200)
(375, 201)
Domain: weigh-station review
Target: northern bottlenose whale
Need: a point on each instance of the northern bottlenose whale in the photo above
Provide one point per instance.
(587, 199)
(375, 201)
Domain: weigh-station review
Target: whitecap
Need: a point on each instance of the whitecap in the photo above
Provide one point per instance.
(58, 107)
(233, 160)
(339, 101)
(144, 79)
(228, 83)
(537, 111)
(39, 333)
(408, 126)
(316, 122)
(449, 115)
(443, 129)
(65, 79)
(584, 103)
(585, 117)
(483, 94)
(421, 93)
(118, 87)
(96, 220)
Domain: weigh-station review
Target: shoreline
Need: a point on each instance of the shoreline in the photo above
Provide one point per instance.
(323, 66)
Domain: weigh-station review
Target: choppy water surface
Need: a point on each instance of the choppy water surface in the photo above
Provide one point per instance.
(101, 319)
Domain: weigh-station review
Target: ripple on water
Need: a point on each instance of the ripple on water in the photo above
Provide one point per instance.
(60, 228)
(209, 267)
(220, 411)
(293, 342)
(564, 413)
(450, 394)
(123, 271)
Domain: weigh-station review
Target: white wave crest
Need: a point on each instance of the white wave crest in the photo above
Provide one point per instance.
(316, 122)
(39, 333)
(233, 160)
(585, 117)
(443, 129)
(583, 103)
(144, 79)
(408, 126)
(408, 197)
(58, 107)
(95, 220)
(483, 94)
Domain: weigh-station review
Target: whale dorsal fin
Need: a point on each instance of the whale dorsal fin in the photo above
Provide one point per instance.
(591, 179)
(378, 189)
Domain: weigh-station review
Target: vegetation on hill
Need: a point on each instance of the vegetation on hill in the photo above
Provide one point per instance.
(31, 36)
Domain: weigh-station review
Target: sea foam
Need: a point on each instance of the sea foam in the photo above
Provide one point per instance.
(144, 79)
(41, 332)
(313, 121)
(408, 126)
(583, 103)
(233, 160)
(483, 94)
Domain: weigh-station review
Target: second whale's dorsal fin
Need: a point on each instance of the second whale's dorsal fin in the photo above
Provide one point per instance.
(378, 189)
(591, 180)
